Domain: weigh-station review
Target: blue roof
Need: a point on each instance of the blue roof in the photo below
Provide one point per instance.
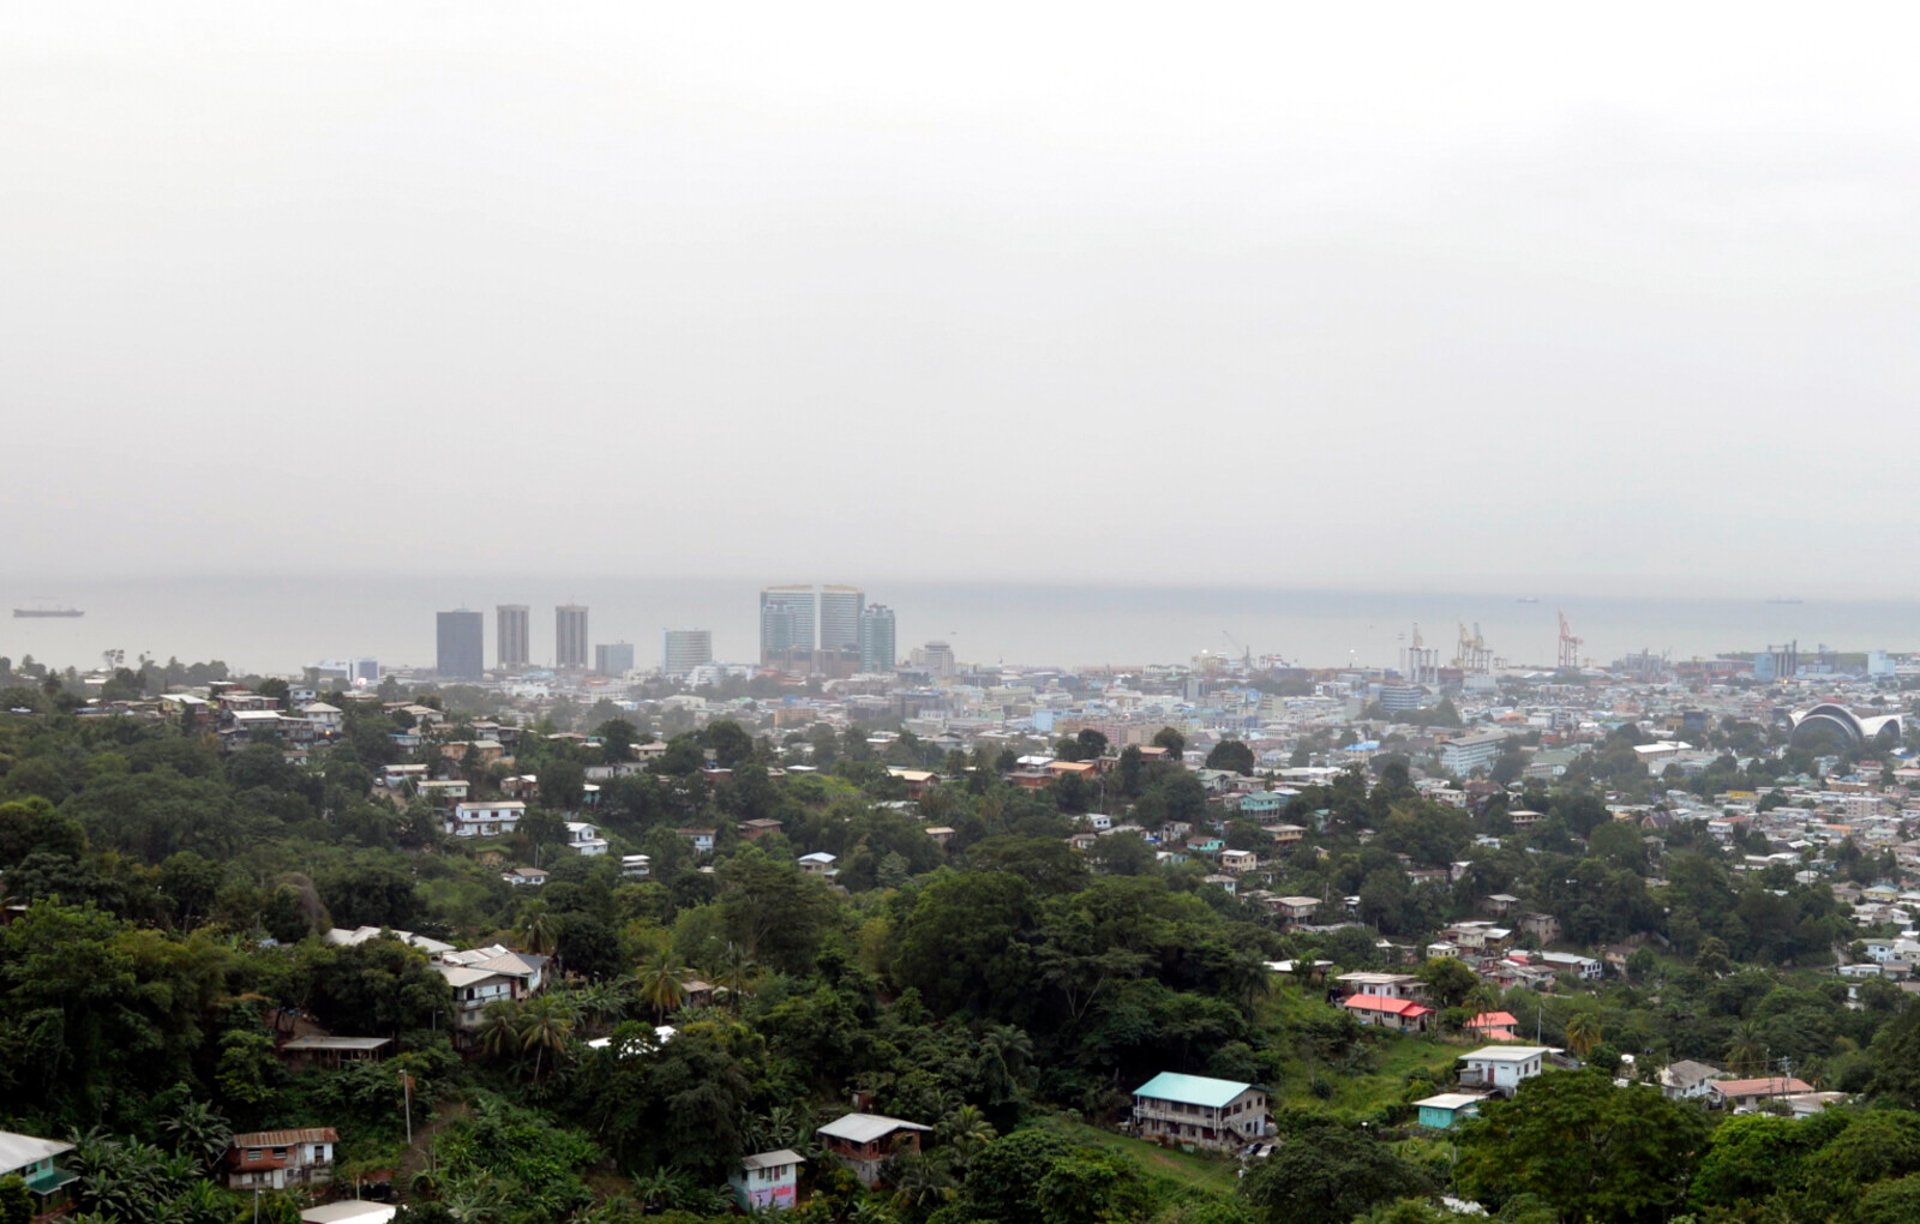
(1191, 1089)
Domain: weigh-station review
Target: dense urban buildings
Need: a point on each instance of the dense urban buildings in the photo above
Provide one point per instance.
(682, 650)
(615, 659)
(460, 645)
(511, 636)
(570, 637)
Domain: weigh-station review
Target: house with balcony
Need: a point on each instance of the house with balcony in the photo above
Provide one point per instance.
(1239, 862)
(1296, 910)
(1502, 1068)
(819, 864)
(864, 1142)
(1198, 1111)
(1383, 985)
(275, 1160)
(492, 819)
(584, 839)
(35, 1161)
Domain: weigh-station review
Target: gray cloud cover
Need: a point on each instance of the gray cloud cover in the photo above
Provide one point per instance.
(1388, 294)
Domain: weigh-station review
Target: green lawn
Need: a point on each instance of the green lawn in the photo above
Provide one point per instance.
(1375, 1081)
(1183, 1170)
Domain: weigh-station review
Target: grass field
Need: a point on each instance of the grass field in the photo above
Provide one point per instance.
(1182, 1170)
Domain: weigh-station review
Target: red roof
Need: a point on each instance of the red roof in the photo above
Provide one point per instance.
(1394, 1007)
(1493, 1020)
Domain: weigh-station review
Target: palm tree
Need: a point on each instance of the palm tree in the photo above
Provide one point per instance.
(1004, 1054)
(546, 1022)
(921, 1181)
(737, 971)
(967, 1131)
(198, 1131)
(537, 929)
(602, 1002)
(1583, 1033)
(663, 983)
(499, 1029)
(1748, 1049)
(662, 1189)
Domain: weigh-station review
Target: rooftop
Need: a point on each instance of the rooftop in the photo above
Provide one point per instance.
(1191, 1089)
(865, 1128)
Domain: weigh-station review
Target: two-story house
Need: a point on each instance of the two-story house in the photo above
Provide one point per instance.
(1198, 1111)
(584, 839)
(863, 1142)
(274, 1160)
(492, 819)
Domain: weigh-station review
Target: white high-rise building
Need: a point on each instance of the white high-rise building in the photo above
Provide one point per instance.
(685, 649)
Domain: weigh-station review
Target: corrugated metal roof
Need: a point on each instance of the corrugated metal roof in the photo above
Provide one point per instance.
(286, 1138)
(865, 1128)
(1191, 1089)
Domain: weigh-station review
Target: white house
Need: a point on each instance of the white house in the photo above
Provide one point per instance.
(636, 866)
(1501, 1068)
(493, 819)
(1584, 967)
(819, 863)
(583, 838)
(325, 718)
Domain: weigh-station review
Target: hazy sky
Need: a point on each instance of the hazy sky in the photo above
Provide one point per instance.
(1302, 294)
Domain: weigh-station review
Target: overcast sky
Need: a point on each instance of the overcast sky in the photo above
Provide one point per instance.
(1313, 295)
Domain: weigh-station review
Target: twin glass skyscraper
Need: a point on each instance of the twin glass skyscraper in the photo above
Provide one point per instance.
(830, 630)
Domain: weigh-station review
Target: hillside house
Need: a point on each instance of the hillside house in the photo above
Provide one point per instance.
(1502, 1068)
(863, 1142)
(33, 1160)
(275, 1160)
(767, 1181)
(1400, 1015)
(1442, 1111)
(584, 839)
(495, 819)
(1746, 1094)
(1198, 1111)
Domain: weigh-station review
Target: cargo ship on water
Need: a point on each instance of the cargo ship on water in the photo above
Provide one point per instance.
(44, 608)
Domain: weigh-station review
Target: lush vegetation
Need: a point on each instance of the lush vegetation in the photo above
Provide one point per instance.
(1005, 989)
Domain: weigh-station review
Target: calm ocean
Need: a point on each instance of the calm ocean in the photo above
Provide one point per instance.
(279, 624)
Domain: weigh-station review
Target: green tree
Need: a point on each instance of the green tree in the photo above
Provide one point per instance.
(16, 1203)
(1587, 1149)
(1327, 1173)
(1174, 742)
(1583, 1033)
(1231, 755)
(1448, 981)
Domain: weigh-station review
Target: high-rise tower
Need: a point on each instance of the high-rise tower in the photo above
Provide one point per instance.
(787, 617)
(876, 639)
(570, 637)
(460, 645)
(510, 623)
